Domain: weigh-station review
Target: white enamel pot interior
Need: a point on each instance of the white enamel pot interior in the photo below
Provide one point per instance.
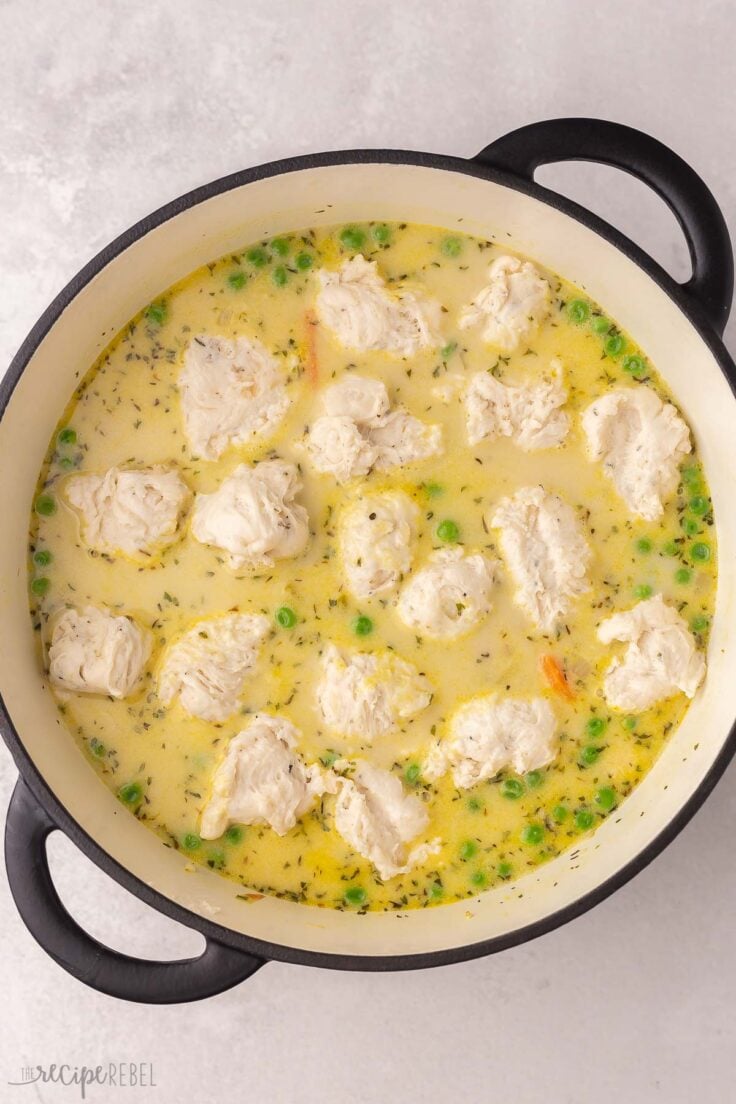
(312, 195)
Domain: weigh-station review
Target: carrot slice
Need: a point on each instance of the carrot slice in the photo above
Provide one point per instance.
(312, 366)
(555, 676)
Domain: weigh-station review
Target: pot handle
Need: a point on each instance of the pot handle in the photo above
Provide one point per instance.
(522, 151)
(80, 954)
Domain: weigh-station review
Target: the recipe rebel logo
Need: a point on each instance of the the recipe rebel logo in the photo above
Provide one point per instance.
(111, 1075)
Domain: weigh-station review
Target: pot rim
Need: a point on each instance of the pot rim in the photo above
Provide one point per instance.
(32, 775)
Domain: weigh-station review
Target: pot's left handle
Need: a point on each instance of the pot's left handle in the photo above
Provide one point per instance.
(216, 969)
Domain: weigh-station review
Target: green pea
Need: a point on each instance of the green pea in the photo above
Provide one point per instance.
(329, 758)
(606, 797)
(578, 311)
(97, 748)
(381, 233)
(157, 313)
(67, 436)
(279, 276)
(236, 280)
(512, 788)
(691, 475)
(447, 350)
(412, 773)
(40, 586)
(433, 490)
(690, 526)
(436, 891)
(590, 754)
(633, 364)
(467, 849)
(362, 625)
(595, 726)
(671, 548)
(478, 878)
(42, 558)
(451, 247)
(533, 834)
(216, 859)
(131, 793)
(699, 505)
(280, 247)
(191, 841)
(234, 834)
(644, 545)
(699, 623)
(352, 237)
(448, 531)
(600, 324)
(614, 345)
(66, 463)
(683, 576)
(643, 591)
(504, 870)
(700, 552)
(355, 895)
(629, 723)
(584, 819)
(304, 261)
(534, 779)
(285, 617)
(560, 814)
(257, 256)
(474, 805)
(45, 505)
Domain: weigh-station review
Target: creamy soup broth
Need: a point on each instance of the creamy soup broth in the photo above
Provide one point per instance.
(126, 412)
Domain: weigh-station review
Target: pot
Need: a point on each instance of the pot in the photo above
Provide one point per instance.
(492, 195)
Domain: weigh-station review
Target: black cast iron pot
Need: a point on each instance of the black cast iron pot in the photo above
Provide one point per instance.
(492, 195)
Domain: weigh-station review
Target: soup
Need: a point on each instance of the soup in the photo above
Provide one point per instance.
(372, 566)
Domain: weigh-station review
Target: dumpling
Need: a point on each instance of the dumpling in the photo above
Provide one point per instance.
(489, 734)
(336, 446)
(641, 441)
(231, 391)
(661, 659)
(376, 534)
(364, 315)
(96, 651)
(399, 438)
(366, 694)
(135, 512)
(359, 432)
(529, 414)
(208, 665)
(336, 442)
(263, 780)
(511, 306)
(379, 820)
(253, 515)
(450, 595)
(359, 398)
(545, 550)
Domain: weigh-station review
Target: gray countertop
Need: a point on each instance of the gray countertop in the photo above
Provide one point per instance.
(110, 110)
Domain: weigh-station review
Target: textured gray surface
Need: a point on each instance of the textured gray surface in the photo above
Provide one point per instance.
(111, 109)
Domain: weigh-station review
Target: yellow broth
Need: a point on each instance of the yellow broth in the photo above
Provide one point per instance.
(126, 412)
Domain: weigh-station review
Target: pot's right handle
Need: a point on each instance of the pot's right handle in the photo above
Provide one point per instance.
(691, 201)
(119, 975)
